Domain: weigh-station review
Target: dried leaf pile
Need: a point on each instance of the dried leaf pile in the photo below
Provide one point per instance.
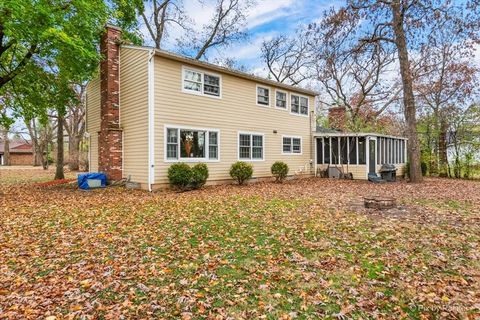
(276, 251)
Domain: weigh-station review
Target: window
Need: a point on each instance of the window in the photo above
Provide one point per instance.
(201, 83)
(294, 103)
(191, 144)
(292, 145)
(352, 152)
(213, 144)
(304, 106)
(263, 96)
(299, 105)
(281, 99)
(172, 143)
(211, 85)
(362, 150)
(250, 146)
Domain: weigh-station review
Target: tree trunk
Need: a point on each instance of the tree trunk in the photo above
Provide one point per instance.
(442, 148)
(408, 97)
(6, 149)
(73, 153)
(59, 170)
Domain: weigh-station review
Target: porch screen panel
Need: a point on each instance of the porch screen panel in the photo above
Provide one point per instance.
(397, 143)
(344, 150)
(326, 150)
(362, 150)
(319, 150)
(335, 153)
(379, 148)
(352, 141)
(390, 150)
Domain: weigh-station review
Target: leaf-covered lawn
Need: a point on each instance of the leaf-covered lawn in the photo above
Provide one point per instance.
(298, 250)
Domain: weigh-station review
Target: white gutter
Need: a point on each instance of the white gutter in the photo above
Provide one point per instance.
(151, 119)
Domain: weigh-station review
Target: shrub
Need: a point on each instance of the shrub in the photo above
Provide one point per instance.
(279, 171)
(199, 175)
(407, 170)
(180, 176)
(241, 171)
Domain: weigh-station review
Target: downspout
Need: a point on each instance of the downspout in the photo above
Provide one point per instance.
(151, 119)
(313, 157)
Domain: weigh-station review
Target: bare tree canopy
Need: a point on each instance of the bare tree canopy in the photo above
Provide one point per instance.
(357, 78)
(288, 59)
(227, 26)
(405, 26)
(161, 15)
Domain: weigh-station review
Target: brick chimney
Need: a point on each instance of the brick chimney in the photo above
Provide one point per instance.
(110, 135)
(337, 118)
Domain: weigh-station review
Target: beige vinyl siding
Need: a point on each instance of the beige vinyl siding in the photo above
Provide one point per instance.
(93, 121)
(134, 113)
(235, 111)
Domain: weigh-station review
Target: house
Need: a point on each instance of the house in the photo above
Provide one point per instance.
(150, 108)
(21, 152)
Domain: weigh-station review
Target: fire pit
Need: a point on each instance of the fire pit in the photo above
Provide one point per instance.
(380, 203)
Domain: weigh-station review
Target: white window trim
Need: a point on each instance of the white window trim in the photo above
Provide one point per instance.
(287, 102)
(308, 105)
(292, 153)
(251, 133)
(269, 96)
(190, 160)
(202, 72)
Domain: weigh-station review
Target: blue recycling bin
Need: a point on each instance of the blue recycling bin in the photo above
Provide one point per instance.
(91, 180)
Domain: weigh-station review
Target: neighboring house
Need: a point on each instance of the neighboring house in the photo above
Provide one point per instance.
(21, 152)
(150, 108)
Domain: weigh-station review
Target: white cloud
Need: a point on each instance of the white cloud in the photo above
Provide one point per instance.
(268, 10)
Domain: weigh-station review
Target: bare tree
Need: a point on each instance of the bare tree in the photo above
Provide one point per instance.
(161, 15)
(288, 59)
(358, 78)
(74, 125)
(226, 27)
(448, 83)
(404, 26)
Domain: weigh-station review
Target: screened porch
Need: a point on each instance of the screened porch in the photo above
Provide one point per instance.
(358, 154)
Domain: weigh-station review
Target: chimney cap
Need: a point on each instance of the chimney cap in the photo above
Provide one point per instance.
(111, 26)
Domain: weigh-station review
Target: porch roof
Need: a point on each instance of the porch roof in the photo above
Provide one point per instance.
(354, 134)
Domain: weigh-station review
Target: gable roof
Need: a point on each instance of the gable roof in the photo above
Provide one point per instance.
(225, 70)
(17, 146)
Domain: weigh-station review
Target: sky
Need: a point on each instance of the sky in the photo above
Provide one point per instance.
(267, 19)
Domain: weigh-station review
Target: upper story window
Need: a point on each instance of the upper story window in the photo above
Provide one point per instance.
(281, 99)
(263, 96)
(299, 105)
(191, 144)
(202, 83)
(250, 146)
